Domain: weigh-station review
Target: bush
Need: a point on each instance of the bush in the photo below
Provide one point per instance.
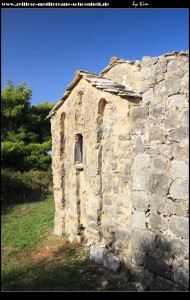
(19, 186)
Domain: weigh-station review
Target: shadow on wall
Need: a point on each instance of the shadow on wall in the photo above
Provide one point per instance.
(155, 266)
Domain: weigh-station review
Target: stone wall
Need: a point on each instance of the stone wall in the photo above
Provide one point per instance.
(128, 197)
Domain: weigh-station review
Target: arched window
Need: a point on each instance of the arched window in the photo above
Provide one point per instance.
(78, 155)
(101, 106)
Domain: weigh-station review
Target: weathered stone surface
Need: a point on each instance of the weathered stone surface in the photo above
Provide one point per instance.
(179, 134)
(181, 208)
(170, 120)
(160, 67)
(142, 276)
(177, 247)
(179, 189)
(179, 226)
(146, 72)
(141, 161)
(179, 151)
(148, 96)
(156, 134)
(155, 221)
(139, 182)
(172, 66)
(173, 85)
(160, 163)
(158, 266)
(158, 184)
(144, 85)
(139, 146)
(179, 169)
(177, 101)
(163, 284)
(165, 150)
(139, 113)
(143, 240)
(163, 244)
(131, 194)
(112, 262)
(124, 137)
(155, 110)
(138, 219)
(162, 205)
(148, 61)
(140, 201)
(97, 254)
(181, 272)
(138, 257)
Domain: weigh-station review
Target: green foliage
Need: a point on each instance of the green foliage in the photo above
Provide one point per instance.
(25, 133)
(25, 145)
(19, 186)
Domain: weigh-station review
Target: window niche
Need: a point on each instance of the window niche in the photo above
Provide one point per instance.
(78, 152)
(101, 107)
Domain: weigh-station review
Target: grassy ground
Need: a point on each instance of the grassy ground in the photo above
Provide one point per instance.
(35, 260)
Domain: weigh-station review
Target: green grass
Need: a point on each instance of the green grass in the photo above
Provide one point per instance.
(35, 260)
(26, 225)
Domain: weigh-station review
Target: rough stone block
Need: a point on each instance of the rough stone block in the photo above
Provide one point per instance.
(170, 120)
(138, 219)
(160, 67)
(156, 134)
(181, 208)
(139, 274)
(139, 146)
(97, 254)
(143, 240)
(163, 243)
(172, 66)
(158, 266)
(181, 272)
(148, 96)
(140, 201)
(112, 262)
(163, 284)
(139, 182)
(162, 205)
(160, 163)
(179, 134)
(179, 151)
(177, 247)
(144, 85)
(158, 184)
(123, 235)
(179, 169)
(177, 101)
(155, 110)
(165, 150)
(155, 221)
(141, 161)
(179, 226)
(173, 85)
(146, 72)
(138, 257)
(179, 189)
(139, 113)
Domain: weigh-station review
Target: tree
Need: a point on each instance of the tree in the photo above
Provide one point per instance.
(25, 132)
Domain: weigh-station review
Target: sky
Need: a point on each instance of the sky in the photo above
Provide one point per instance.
(45, 47)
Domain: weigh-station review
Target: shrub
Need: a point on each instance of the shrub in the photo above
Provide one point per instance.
(19, 186)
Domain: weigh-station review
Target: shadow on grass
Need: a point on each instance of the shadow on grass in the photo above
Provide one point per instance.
(48, 276)
(8, 203)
